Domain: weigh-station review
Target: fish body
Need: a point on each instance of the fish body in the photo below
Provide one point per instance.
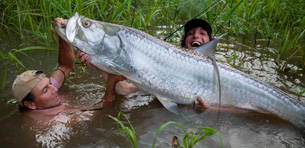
(172, 74)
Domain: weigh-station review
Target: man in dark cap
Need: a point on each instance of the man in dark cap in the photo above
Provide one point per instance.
(196, 33)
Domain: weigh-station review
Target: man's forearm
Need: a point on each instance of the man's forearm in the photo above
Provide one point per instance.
(66, 55)
(65, 58)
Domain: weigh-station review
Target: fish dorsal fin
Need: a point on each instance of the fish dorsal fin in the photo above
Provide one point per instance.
(208, 50)
(171, 106)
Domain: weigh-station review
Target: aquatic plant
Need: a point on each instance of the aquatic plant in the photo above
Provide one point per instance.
(189, 140)
(301, 93)
(2, 57)
(11, 56)
(122, 128)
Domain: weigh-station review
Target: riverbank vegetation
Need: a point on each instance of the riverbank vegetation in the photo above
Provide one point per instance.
(277, 25)
(273, 26)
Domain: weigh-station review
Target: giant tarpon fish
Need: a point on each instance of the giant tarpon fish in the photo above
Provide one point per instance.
(172, 74)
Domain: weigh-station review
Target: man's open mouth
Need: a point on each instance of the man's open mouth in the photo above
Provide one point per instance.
(196, 44)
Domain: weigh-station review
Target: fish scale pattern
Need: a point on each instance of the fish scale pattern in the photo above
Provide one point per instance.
(170, 71)
(178, 75)
(247, 92)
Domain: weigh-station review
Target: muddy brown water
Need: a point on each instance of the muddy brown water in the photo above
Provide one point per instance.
(237, 128)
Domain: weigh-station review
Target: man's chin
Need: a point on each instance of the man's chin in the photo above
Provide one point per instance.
(56, 100)
(190, 47)
(193, 47)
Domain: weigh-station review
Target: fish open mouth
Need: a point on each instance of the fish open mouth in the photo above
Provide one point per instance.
(72, 27)
(196, 44)
(61, 25)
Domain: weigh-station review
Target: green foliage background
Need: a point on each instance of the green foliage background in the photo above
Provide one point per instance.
(277, 26)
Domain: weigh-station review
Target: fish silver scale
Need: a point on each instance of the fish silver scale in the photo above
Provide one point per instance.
(262, 97)
(165, 67)
(169, 72)
(160, 65)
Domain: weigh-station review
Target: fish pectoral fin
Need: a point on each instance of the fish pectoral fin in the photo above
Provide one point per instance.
(171, 106)
(129, 75)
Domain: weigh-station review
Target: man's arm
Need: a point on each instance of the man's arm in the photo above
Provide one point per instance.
(65, 58)
(201, 104)
(115, 83)
(118, 85)
(124, 88)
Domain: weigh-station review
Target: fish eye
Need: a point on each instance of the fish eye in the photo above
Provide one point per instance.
(86, 23)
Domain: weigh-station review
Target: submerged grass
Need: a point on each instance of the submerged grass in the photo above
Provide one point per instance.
(122, 128)
(190, 139)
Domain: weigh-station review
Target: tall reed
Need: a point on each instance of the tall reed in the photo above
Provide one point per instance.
(278, 25)
(11, 57)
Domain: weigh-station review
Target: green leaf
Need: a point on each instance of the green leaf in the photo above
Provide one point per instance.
(122, 128)
(119, 10)
(2, 55)
(229, 15)
(160, 129)
(36, 48)
(301, 93)
(4, 77)
(13, 58)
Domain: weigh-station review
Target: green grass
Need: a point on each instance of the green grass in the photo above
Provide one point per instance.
(277, 25)
(10, 56)
(191, 136)
(122, 128)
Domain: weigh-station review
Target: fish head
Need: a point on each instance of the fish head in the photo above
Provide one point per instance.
(86, 34)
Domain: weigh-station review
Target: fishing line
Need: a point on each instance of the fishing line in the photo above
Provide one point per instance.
(191, 19)
(84, 110)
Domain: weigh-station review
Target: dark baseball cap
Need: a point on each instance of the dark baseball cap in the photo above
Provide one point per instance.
(198, 23)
